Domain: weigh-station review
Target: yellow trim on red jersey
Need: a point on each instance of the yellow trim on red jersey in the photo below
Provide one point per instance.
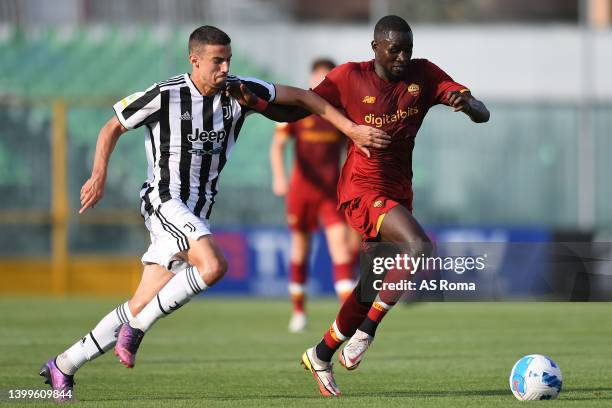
(381, 217)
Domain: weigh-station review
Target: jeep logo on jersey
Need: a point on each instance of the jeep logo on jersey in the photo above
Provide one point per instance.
(215, 136)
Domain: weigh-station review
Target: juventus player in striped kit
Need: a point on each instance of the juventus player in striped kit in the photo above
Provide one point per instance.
(192, 123)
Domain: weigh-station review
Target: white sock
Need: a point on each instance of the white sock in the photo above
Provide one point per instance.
(94, 343)
(343, 286)
(178, 291)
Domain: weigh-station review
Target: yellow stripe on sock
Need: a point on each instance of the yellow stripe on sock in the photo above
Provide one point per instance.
(379, 307)
(332, 332)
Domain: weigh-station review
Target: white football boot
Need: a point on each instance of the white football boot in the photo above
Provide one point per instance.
(323, 374)
(298, 322)
(352, 354)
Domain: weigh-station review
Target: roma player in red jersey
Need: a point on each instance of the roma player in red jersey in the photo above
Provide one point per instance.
(393, 93)
(311, 198)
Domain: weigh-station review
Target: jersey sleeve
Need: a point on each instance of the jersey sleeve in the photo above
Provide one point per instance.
(139, 109)
(442, 84)
(287, 129)
(262, 89)
(332, 87)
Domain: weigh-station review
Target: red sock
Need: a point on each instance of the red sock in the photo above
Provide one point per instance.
(378, 311)
(385, 300)
(375, 315)
(297, 278)
(343, 280)
(351, 314)
(333, 337)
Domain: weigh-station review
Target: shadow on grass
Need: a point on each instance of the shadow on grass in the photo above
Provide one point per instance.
(379, 394)
(597, 393)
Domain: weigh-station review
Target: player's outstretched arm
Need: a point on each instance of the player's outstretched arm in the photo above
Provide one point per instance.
(285, 113)
(466, 103)
(277, 162)
(363, 136)
(277, 113)
(93, 189)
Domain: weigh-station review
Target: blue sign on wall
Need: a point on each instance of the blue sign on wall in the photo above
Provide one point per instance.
(259, 257)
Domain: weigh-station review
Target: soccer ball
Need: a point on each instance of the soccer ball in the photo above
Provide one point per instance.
(535, 377)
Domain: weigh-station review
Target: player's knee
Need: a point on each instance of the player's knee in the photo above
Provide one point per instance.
(421, 246)
(212, 270)
(136, 304)
(299, 248)
(339, 252)
(298, 257)
(219, 268)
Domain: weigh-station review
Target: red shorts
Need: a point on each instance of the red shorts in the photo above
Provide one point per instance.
(304, 213)
(366, 213)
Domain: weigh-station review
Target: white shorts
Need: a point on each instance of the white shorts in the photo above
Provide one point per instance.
(170, 224)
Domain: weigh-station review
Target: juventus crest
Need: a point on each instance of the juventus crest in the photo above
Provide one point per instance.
(227, 112)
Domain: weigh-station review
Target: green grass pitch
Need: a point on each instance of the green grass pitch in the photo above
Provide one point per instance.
(237, 353)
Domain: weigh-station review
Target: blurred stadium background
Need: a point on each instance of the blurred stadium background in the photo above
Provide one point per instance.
(540, 168)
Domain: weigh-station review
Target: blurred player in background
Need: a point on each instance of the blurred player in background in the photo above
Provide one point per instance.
(392, 92)
(192, 122)
(311, 198)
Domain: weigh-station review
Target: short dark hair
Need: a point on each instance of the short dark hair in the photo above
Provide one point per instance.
(207, 35)
(322, 63)
(390, 23)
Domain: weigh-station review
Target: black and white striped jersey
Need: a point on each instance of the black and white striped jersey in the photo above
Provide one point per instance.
(188, 139)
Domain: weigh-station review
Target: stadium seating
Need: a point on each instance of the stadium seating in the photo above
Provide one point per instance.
(95, 61)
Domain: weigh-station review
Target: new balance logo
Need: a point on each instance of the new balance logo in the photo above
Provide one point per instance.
(186, 116)
(369, 99)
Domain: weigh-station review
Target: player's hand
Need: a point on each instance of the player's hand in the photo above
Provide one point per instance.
(460, 102)
(240, 92)
(91, 192)
(366, 137)
(280, 187)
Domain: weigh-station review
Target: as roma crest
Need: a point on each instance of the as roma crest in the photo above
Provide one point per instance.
(414, 89)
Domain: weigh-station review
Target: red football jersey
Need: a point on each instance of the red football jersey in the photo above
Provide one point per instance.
(318, 146)
(398, 108)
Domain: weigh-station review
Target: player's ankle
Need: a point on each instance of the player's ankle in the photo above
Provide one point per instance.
(323, 353)
(318, 360)
(369, 326)
(136, 324)
(63, 363)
